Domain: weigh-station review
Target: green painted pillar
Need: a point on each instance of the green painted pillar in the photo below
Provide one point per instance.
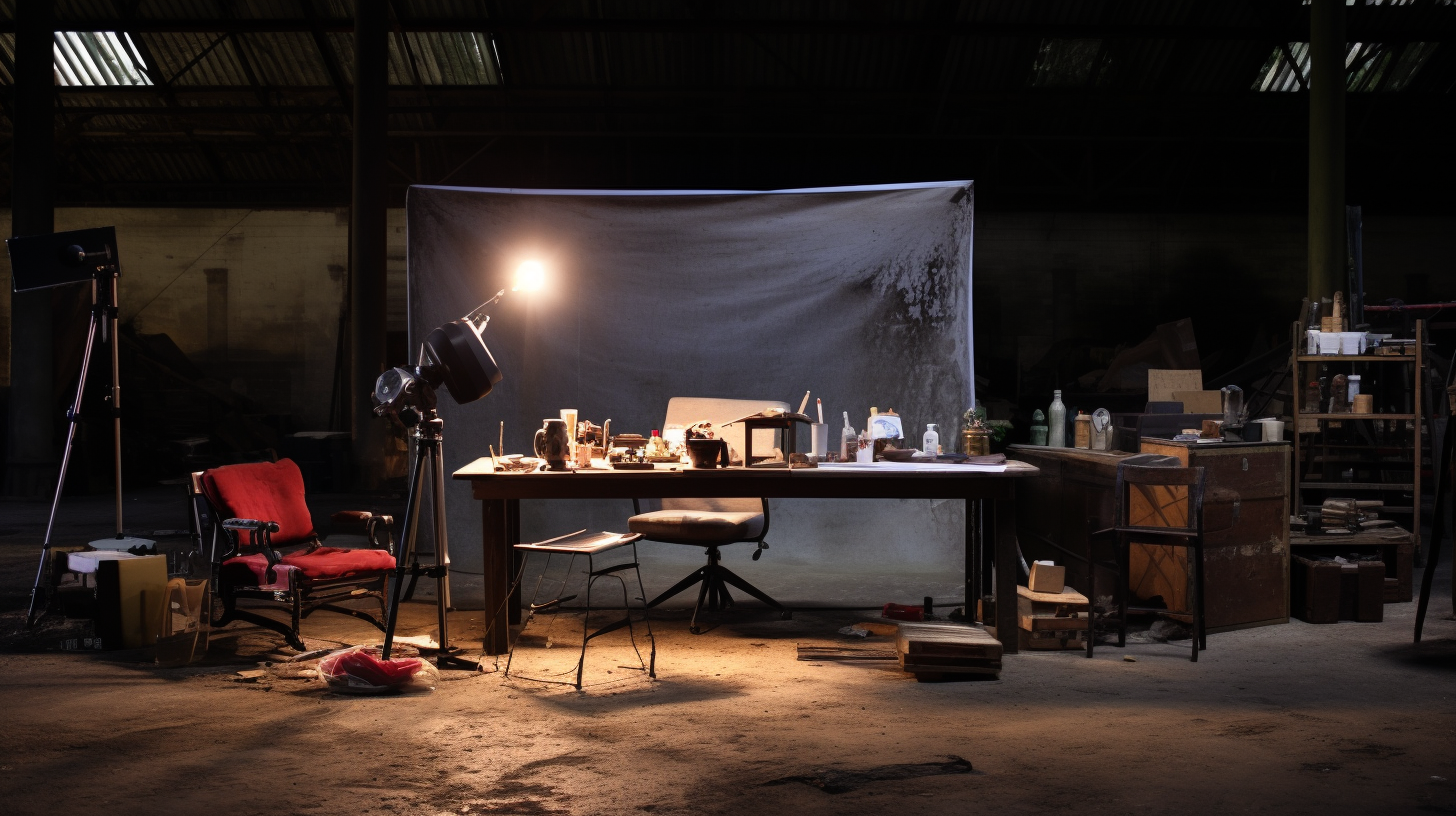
(1326, 149)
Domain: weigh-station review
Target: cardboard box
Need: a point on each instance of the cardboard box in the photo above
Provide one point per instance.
(1047, 577)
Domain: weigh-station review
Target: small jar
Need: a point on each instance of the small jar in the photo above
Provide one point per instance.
(976, 441)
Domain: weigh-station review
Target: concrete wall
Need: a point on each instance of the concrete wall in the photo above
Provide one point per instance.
(253, 296)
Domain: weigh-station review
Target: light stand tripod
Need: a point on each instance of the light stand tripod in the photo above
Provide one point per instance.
(103, 321)
(429, 462)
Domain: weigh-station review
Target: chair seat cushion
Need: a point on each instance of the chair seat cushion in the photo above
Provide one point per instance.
(323, 564)
(697, 525)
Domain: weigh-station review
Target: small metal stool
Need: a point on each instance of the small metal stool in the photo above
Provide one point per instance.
(591, 545)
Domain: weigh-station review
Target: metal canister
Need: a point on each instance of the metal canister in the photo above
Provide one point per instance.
(976, 441)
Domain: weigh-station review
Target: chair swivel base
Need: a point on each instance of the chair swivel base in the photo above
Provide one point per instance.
(715, 580)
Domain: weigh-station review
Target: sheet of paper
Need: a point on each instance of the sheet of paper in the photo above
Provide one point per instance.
(910, 467)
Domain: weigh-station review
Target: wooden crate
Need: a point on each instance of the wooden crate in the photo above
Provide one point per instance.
(1246, 536)
(1327, 591)
(1051, 620)
(933, 649)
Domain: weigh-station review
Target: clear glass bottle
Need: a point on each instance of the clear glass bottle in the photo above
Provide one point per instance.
(1057, 422)
(848, 441)
(932, 440)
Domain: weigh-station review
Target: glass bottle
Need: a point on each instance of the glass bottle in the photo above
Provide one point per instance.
(932, 440)
(1057, 422)
(848, 441)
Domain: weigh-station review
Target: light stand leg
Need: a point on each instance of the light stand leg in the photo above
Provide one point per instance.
(407, 545)
(446, 657)
(115, 342)
(73, 416)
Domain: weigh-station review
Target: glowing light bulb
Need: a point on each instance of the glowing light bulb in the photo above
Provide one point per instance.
(530, 276)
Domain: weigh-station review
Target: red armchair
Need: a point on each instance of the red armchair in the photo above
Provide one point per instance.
(264, 548)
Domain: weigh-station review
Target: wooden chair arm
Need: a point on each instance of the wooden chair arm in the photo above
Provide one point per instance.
(261, 531)
(375, 527)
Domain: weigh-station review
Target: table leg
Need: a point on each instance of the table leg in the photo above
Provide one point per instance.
(1002, 521)
(518, 558)
(973, 560)
(497, 545)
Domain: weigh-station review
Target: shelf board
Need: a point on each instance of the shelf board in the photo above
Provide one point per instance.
(1375, 358)
(1315, 485)
(1353, 416)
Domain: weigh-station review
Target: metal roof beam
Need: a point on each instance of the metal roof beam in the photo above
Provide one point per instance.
(1422, 22)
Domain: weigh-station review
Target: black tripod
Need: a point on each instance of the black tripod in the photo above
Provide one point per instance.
(103, 322)
(429, 462)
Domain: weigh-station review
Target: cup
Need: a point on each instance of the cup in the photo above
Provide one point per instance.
(551, 443)
(818, 440)
(569, 416)
(708, 453)
(1273, 429)
(1352, 343)
(1364, 404)
(1329, 343)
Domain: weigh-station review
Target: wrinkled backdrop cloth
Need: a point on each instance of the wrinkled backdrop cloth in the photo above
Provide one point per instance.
(862, 295)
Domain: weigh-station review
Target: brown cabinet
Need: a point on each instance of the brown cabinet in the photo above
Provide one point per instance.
(1246, 517)
(1246, 536)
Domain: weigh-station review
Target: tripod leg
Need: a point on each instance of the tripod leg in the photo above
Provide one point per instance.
(74, 415)
(407, 546)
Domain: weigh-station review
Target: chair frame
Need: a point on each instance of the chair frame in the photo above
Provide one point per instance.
(1125, 533)
(714, 577)
(592, 573)
(304, 596)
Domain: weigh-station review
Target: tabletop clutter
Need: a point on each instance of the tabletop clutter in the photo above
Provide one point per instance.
(571, 442)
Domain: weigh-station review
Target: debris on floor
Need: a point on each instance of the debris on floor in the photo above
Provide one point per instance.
(833, 780)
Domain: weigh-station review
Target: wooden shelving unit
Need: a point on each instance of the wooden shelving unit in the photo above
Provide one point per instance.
(1362, 455)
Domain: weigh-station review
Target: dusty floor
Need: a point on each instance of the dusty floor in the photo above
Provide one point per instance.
(1344, 718)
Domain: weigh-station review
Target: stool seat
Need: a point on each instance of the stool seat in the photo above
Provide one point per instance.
(580, 543)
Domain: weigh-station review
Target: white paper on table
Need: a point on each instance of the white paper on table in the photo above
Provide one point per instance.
(912, 467)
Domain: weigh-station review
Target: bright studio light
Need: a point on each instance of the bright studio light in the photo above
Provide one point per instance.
(530, 276)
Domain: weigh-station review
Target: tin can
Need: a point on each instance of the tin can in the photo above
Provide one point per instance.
(976, 441)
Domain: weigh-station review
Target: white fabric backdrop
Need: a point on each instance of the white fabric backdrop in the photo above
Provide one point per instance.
(861, 295)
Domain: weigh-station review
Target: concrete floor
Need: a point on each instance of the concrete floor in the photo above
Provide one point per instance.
(1342, 718)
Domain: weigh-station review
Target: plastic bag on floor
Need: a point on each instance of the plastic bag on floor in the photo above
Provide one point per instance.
(361, 670)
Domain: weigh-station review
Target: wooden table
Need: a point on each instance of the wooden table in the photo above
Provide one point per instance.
(994, 494)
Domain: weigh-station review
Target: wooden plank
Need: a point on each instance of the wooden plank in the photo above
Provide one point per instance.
(947, 640)
(1039, 623)
(1066, 596)
(811, 652)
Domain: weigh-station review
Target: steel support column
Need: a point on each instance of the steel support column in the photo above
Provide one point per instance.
(1326, 148)
(367, 234)
(31, 460)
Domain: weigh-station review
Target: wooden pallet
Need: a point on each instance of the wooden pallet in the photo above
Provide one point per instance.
(931, 650)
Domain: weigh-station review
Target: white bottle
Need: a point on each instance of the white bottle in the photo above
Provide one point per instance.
(1057, 422)
(932, 440)
(848, 441)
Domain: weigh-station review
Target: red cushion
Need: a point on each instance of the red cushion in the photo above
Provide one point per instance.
(323, 564)
(331, 562)
(268, 491)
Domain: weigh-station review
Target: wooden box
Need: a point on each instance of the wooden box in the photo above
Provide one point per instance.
(1051, 620)
(933, 649)
(1395, 545)
(1327, 591)
(1047, 577)
(1246, 536)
